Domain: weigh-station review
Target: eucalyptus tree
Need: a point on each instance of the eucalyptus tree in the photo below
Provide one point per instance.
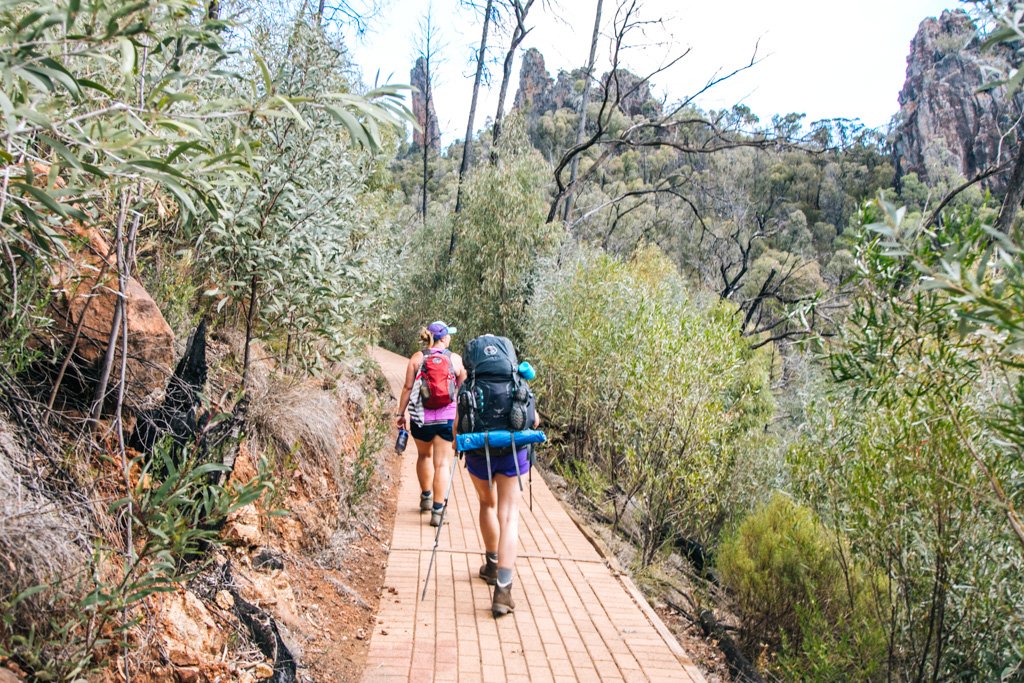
(300, 251)
(916, 452)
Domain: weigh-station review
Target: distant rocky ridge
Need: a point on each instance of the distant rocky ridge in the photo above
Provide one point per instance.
(539, 93)
(420, 110)
(945, 125)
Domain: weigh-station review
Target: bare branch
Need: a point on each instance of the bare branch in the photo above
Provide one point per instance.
(933, 217)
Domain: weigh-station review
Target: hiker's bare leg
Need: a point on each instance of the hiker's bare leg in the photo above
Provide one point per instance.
(424, 464)
(488, 514)
(442, 466)
(507, 489)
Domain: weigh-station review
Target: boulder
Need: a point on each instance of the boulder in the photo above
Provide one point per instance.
(243, 527)
(187, 632)
(87, 287)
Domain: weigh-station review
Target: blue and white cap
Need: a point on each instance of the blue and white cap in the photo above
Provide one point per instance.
(440, 329)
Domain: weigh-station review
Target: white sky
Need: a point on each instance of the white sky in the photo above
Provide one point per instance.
(825, 58)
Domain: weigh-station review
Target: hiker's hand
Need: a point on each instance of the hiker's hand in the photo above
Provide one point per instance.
(400, 420)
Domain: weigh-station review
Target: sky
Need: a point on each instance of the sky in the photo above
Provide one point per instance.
(823, 58)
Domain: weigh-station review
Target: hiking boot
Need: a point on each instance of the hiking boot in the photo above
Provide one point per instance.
(426, 503)
(489, 573)
(501, 603)
(435, 518)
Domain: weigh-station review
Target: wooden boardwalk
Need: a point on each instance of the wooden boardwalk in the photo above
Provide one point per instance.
(575, 620)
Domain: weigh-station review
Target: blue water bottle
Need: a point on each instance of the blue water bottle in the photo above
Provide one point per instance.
(401, 441)
(526, 371)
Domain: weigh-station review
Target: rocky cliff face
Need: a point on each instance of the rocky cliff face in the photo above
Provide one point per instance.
(945, 127)
(418, 79)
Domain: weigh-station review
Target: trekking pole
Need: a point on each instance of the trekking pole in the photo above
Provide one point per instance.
(437, 536)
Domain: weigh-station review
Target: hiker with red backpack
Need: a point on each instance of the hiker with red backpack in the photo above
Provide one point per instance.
(432, 379)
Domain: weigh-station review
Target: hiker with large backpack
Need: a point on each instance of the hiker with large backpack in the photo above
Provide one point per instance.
(496, 398)
(432, 379)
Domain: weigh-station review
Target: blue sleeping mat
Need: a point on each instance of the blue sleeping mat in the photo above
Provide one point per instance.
(498, 439)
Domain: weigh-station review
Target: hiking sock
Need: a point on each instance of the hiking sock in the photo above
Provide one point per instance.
(426, 494)
(438, 506)
(504, 576)
(492, 558)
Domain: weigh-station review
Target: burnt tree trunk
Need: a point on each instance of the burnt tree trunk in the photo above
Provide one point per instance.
(518, 34)
(427, 141)
(467, 145)
(582, 125)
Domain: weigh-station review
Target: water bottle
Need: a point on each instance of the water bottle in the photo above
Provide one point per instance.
(526, 371)
(401, 441)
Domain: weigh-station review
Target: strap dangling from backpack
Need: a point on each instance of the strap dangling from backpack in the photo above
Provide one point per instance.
(487, 454)
(515, 459)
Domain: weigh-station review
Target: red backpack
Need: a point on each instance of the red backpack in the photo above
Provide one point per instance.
(437, 379)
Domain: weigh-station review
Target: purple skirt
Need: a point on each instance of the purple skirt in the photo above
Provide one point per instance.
(476, 463)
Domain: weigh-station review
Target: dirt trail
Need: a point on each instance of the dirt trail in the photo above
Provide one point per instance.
(575, 619)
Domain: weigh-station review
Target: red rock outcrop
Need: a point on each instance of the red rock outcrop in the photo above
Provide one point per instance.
(87, 285)
(946, 125)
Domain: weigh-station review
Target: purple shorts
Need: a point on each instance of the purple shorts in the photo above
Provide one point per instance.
(476, 463)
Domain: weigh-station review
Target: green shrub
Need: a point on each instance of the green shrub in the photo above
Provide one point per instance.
(421, 293)
(502, 240)
(907, 454)
(798, 591)
(652, 387)
(300, 257)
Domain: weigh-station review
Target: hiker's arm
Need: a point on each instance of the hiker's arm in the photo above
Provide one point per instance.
(403, 401)
(460, 371)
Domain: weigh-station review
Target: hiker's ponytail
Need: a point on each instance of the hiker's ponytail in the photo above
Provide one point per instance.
(426, 339)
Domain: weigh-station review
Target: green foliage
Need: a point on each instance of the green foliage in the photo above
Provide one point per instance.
(421, 294)
(100, 116)
(172, 281)
(23, 320)
(651, 387)
(130, 117)
(376, 430)
(300, 257)
(907, 458)
(502, 241)
(797, 589)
